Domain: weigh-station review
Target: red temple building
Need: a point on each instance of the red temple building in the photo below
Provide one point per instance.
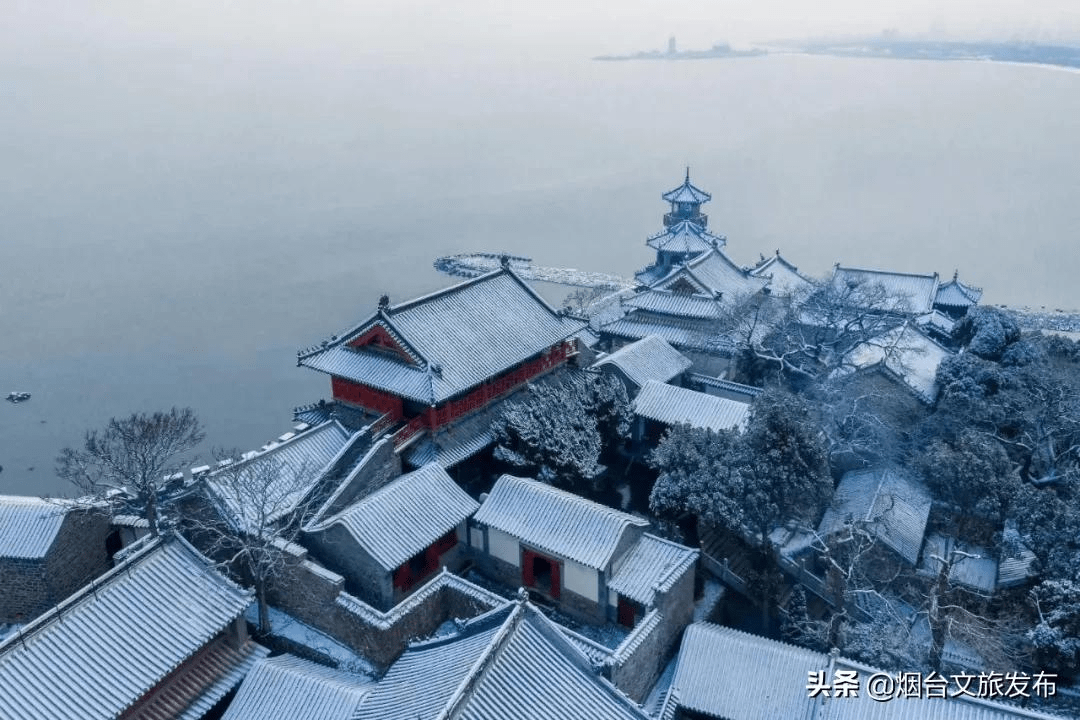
(426, 364)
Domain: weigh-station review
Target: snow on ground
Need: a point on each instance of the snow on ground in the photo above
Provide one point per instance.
(286, 626)
(710, 599)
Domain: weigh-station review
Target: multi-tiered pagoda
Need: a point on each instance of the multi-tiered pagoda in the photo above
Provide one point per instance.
(690, 287)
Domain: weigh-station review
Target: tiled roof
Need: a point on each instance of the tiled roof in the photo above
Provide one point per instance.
(906, 353)
(938, 321)
(916, 293)
(206, 679)
(288, 688)
(280, 477)
(956, 294)
(972, 567)
(650, 358)
(109, 644)
(509, 663)
(764, 679)
(457, 337)
(761, 679)
(556, 521)
(685, 333)
(674, 405)
(748, 391)
(651, 566)
(686, 238)
(895, 507)
(402, 518)
(687, 193)
(651, 273)
(784, 278)
(687, 305)
(28, 526)
(715, 271)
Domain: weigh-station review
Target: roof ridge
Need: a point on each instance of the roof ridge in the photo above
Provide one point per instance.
(483, 662)
(551, 489)
(933, 275)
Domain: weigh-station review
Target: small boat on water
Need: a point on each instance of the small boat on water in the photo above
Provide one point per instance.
(18, 397)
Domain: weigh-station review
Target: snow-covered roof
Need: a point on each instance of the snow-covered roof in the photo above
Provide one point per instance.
(719, 386)
(973, 567)
(29, 525)
(687, 333)
(287, 688)
(915, 293)
(714, 272)
(672, 405)
(907, 354)
(290, 469)
(109, 644)
(685, 238)
(440, 345)
(894, 506)
(650, 358)
(687, 193)
(405, 516)
(763, 679)
(509, 663)
(652, 566)
(956, 294)
(937, 320)
(556, 521)
(679, 304)
(784, 278)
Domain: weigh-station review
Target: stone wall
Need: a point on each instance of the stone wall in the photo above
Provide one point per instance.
(316, 596)
(29, 587)
(637, 663)
(378, 467)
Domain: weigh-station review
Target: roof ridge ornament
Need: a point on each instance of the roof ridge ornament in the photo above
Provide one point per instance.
(504, 261)
(384, 302)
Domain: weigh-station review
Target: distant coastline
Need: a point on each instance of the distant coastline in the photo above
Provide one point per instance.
(720, 50)
(884, 46)
(1016, 53)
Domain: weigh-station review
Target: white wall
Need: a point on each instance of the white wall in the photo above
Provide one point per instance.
(580, 580)
(504, 547)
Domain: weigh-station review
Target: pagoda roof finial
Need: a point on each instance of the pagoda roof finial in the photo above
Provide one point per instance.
(955, 274)
(687, 174)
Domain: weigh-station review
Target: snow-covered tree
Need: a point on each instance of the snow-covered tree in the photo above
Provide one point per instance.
(1056, 637)
(558, 431)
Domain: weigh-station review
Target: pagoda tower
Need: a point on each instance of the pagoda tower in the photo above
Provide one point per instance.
(686, 201)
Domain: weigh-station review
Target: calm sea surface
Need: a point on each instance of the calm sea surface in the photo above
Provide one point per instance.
(173, 229)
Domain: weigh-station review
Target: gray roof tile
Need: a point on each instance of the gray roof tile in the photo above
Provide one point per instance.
(916, 292)
(687, 193)
(650, 358)
(288, 688)
(509, 663)
(556, 521)
(653, 565)
(895, 507)
(402, 518)
(110, 643)
(292, 468)
(29, 525)
(666, 302)
(958, 295)
(764, 679)
(458, 338)
(674, 405)
(686, 238)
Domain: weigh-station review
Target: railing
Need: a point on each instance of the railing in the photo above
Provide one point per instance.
(405, 434)
(383, 423)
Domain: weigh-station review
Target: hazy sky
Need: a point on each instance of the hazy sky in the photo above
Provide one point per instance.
(503, 27)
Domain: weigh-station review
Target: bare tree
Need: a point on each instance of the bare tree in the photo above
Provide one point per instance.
(260, 506)
(136, 455)
(809, 334)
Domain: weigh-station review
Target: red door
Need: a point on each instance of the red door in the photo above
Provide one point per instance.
(625, 613)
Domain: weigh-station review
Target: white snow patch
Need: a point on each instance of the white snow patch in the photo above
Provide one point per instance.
(285, 625)
(712, 596)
